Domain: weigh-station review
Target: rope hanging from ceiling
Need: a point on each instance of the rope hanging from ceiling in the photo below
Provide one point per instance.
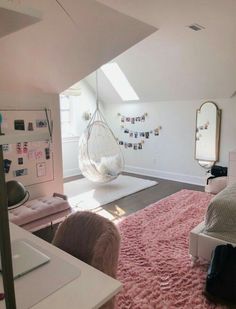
(100, 157)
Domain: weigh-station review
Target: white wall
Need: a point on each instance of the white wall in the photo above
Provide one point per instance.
(171, 154)
(80, 104)
(50, 101)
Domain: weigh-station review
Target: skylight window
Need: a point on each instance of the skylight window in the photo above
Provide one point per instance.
(119, 81)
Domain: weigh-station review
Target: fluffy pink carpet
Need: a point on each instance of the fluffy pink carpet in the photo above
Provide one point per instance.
(154, 264)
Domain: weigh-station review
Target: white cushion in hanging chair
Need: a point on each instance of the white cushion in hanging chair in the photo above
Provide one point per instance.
(109, 166)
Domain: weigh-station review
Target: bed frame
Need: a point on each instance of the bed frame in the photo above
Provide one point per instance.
(202, 245)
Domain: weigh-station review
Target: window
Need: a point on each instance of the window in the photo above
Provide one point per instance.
(65, 109)
(66, 106)
(119, 81)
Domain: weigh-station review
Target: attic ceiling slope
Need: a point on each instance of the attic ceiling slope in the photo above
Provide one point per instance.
(177, 63)
(15, 17)
(54, 54)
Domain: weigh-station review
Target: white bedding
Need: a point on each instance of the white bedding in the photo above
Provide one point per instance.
(221, 213)
(219, 226)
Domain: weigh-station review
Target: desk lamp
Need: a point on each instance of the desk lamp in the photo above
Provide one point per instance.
(16, 193)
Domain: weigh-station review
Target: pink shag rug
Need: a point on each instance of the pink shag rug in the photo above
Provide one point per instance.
(154, 265)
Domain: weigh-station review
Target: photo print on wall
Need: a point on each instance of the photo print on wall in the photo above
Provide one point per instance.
(30, 126)
(41, 123)
(21, 172)
(20, 161)
(7, 165)
(19, 124)
(19, 149)
(6, 148)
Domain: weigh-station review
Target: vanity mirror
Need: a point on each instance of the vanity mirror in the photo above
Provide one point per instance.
(207, 136)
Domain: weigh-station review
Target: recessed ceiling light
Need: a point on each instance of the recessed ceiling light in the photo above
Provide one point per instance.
(196, 27)
(119, 81)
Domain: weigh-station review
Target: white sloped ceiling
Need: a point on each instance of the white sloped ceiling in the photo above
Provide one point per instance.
(53, 54)
(176, 63)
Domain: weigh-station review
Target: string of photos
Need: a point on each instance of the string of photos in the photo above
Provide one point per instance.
(137, 145)
(136, 134)
(133, 120)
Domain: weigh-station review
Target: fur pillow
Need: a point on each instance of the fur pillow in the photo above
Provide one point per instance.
(110, 165)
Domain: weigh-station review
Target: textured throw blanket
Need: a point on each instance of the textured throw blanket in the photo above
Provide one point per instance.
(220, 219)
(154, 266)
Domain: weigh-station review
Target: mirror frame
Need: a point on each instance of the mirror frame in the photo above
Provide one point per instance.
(203, 163)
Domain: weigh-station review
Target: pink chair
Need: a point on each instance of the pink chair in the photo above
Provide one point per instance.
(93, 239)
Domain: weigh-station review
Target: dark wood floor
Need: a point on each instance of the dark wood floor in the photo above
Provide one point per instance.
(141, 199)
(132, 203)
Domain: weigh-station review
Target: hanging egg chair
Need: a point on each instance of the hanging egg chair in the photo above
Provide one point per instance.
(100, 157)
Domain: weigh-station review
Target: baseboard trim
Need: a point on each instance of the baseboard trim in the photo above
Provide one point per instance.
(196, 180)
(71, 172)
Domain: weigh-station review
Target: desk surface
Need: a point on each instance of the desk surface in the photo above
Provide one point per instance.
(88, 291)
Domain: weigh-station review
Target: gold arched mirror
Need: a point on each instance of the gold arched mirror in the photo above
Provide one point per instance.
(207, 136)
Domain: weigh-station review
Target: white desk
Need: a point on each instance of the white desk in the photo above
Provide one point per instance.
(88, 291)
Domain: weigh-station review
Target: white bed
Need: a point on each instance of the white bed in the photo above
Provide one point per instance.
(201, 244)
(219, 226)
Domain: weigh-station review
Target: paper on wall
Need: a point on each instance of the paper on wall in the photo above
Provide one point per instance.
(31, 154)
(41, 169)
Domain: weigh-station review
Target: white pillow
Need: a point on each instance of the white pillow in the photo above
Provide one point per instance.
(110, 165)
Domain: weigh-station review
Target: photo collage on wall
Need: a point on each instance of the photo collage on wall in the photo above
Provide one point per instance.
(135, 134)
(28, 161)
